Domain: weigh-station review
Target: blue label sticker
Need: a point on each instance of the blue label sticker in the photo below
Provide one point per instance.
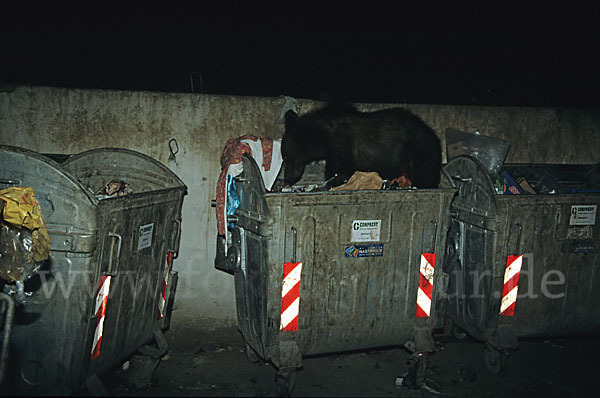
(372, 250)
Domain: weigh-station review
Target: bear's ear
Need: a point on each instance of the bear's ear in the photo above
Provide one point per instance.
(291, 118)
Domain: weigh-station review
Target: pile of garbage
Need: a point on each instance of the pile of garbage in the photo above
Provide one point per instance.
(521, 179)
(24, 239)
(312, 181)
(547, 179)
(113, 189)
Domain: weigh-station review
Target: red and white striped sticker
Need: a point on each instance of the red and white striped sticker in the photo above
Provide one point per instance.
(425, 291)
(100, 311)
(163, 291)
(511, 285)
(290, 296)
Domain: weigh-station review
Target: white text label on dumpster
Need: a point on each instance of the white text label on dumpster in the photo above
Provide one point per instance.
(145, 236)
(366, 230)
(583, 215)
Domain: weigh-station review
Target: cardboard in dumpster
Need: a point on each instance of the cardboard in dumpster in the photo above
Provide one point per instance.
(524, 184)
(490, 151)
(511, 187)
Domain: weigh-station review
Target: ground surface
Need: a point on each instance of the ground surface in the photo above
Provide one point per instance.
(215, 364)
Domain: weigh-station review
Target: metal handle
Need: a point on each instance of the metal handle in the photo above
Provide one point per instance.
(10, 182)
(294, 243)
(173, 148)
(434, 235)
(177, 238)
(518, 243)
(462, 179)
(9, 310)
(110, 258)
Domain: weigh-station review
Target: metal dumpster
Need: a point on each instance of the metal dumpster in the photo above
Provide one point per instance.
(103, 292)
(326, 272)
(520, 265)
(7, 309)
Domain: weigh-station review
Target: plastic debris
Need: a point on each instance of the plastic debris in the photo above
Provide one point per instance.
(232, 201)
(22, 210)
(24, 240)
(113, 189)
(548, 184)
(398, 183)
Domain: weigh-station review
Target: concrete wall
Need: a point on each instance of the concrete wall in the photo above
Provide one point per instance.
(51, 120)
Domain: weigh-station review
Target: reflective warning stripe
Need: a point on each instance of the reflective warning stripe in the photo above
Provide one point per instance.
(100, 311)
(425, 290)
(163, 291)
(290, 296)
(511, 285)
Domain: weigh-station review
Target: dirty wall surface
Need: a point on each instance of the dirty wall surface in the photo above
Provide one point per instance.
(67, 121)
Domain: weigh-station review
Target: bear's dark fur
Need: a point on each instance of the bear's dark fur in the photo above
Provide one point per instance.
(392, 142)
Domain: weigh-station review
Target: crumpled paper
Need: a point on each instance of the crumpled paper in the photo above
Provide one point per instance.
(361, 180)
(22, 210)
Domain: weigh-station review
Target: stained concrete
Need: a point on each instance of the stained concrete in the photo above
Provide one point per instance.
(203, 363)
(55, 120)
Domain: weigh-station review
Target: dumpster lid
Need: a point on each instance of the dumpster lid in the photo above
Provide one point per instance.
(39, 165)
(490, 151)
(142, 173)
(476, 191)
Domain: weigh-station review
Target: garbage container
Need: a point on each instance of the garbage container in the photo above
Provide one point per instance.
(103, 292)
(7, 309)
(521, 265)
(324, 272)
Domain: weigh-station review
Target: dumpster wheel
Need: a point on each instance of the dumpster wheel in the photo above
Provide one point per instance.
(417, 367)
(456, 332)
(285, 381)
(496, 361)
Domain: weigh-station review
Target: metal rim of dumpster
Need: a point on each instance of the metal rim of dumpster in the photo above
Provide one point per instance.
(92, 152)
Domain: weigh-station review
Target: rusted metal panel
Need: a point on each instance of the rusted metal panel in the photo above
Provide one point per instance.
(558, 278)
(357, 291)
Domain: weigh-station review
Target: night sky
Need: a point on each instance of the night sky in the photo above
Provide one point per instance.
(521, 53)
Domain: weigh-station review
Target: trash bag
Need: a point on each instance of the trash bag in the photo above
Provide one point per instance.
(548, 183)
(17, 261)
(24, 240)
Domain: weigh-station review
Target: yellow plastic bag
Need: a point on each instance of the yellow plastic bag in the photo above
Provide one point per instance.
(22, 210)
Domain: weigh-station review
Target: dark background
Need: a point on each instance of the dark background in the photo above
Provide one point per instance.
(438, 52)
